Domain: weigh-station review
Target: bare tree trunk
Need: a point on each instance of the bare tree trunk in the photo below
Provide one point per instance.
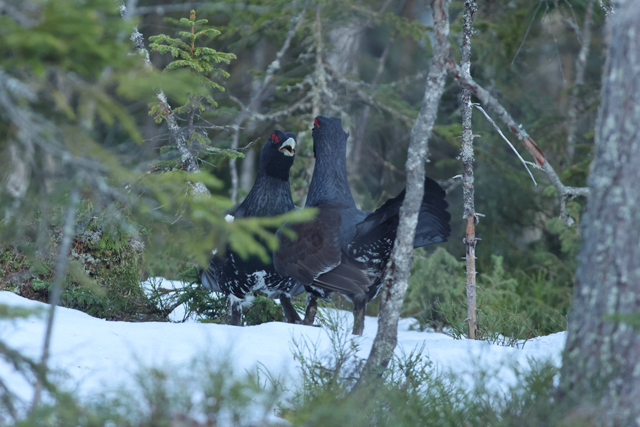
(599, 375)
(466, 154)
(361, 127)
(399, 267)
(578, 83)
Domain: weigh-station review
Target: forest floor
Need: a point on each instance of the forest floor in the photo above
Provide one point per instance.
(92, 356)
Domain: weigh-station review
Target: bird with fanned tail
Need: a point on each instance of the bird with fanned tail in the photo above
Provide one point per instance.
(345, 249)
(270, 195)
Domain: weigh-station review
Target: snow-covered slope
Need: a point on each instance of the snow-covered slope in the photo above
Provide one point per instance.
(98, 355)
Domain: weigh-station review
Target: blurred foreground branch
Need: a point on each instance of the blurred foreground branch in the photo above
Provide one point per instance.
(56, 288)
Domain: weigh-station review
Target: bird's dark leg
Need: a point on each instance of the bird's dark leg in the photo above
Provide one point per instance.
(290, 313)
(312, 308)
(359, 308)
(235, 308)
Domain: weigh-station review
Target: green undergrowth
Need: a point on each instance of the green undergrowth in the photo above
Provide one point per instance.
(512, 306)
(412, 391)
(103, 272)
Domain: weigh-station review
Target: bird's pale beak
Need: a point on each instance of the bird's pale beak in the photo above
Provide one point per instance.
(288, 147)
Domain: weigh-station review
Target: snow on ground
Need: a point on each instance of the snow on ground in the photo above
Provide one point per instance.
(100, 356)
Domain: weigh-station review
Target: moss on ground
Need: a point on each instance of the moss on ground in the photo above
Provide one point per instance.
(103, 277)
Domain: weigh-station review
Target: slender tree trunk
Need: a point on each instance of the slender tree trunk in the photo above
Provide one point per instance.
(581, 63)
(399, 267)
(600, 375)
(466, 154)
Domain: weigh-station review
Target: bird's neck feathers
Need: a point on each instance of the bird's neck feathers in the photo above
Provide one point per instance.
(329, 181)
(269, 196)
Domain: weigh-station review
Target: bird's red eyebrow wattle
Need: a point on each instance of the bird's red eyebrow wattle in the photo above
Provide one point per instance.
(316, 122)
(275, 137)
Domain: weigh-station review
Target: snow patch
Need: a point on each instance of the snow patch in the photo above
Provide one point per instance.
(96, 354)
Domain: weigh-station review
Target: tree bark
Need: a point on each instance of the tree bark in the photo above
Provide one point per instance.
(399, 267)
(601, 362)
(466, 155)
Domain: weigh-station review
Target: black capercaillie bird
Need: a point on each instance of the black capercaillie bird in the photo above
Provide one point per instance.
(269, 196)
(344, 238)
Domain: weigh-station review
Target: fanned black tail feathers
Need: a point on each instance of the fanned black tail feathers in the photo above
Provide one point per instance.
(376, 233)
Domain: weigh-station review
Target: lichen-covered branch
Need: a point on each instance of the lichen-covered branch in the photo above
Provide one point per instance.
(581, 61)
(564, 192)
(188, 160)
(466, 155)
(399, 266)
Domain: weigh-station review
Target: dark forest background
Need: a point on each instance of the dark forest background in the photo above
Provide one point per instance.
(362, 61)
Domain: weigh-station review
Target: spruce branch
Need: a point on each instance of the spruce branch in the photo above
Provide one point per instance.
(188, 160)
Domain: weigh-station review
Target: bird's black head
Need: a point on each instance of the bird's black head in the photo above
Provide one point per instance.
(328, 137)
(277, 154)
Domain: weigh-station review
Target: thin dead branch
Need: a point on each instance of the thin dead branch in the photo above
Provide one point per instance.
(366, 113)
(524, 39)
(365, 97)
(490, 102)
(495, 126)
(320, 77)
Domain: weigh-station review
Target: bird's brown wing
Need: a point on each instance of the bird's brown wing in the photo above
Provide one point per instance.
(347, 278)
(315, 257)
